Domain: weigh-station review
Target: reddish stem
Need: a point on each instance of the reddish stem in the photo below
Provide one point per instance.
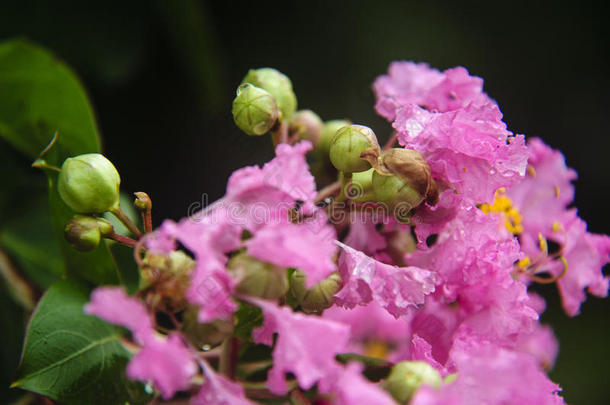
(391, 141)
(327, 191)
(124, 240)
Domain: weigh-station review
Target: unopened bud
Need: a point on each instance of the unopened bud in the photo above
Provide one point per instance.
(84, 233)
(142, 201)
(257, 278)
(276, 83)
(306, 124)
(407, 376)
(204, 335)
(317, 298)
(89, 184)
(349, 144)
(254, 110)
(328, 132)
(402, 179)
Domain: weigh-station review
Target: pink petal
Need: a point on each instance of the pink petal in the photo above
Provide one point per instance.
(113, 305)
(397, 289)
(306, 345)
(167, 363)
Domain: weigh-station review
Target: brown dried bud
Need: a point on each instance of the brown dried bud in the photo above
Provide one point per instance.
(403, 176)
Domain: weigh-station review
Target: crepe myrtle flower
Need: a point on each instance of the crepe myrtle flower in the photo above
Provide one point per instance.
(273, 296)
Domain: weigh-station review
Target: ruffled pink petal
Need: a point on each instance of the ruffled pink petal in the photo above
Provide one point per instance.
(167, 363)
(113, 305)
(308, 246)
(490, 375)
(218, 390)
(349, 387)
(397, 289)
(306, 345)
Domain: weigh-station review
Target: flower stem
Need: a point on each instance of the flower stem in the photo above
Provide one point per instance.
(121, 216)
(328, 191)
(123, 240)
(391, 140)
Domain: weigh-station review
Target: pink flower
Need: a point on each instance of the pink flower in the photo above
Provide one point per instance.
(308, 246)
(472, 247)
(166, 362)
(470, 149)
(363, 235)
(209, 238)
(218, 390)
(113, 305)
(306, 345)
(286, 178)
(411, 83)
(372, 328)
(540, 343)
(397, 289)
(349, 387)
(490, 375)
(542, 200)
(585, 254)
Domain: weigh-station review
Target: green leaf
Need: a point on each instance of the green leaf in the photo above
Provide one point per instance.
(41, 95)
(74, 358)
(12, 322)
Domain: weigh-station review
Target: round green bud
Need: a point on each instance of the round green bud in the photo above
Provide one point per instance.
(361, 187)
(84, 233)
(396, 194)
(328, 132)
(306, 124)
(347, 146)
(407, 376)
(258, 278)
(402, 180)
(276, 83)
(254, 110)
(89, 184)
(317, 298)
(204, 335)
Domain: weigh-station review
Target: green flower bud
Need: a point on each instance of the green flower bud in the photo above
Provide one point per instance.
(328, 132)
(276, 83)
(402, 180)
(361, 187)
(347, 146)
(89, 184)
(85, 233)
(319, 297)
(407, 376)
(258, 278)
(204, 334)
(254, 110)
(306, 124)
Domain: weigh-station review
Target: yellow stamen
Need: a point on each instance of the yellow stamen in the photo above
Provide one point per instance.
(531, 171)
(525, 262)
(376, 349)
(542, 243)
(503, 204)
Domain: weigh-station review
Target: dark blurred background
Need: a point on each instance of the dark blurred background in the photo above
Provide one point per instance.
(162, 74)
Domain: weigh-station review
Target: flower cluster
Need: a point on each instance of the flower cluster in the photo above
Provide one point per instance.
(432, 306)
